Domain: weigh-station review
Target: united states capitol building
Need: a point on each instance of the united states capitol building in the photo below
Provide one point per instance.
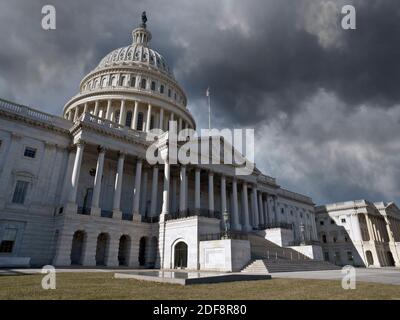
(77, 189)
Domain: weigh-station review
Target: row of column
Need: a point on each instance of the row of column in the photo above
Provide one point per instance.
(259, 205)
(74, 114)
(118, 181)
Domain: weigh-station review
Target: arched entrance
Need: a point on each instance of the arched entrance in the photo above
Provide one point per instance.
(123, 250)
(101, 250)
(370, 258)
(77, 247)
(142, 251)
(390, 259)
(180, 255)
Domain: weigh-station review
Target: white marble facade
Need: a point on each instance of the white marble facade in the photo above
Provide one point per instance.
(360, 233)
(78, 190)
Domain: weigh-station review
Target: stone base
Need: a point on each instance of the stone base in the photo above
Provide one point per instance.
(224, 255)
(96, 212)
(15, 262)
(137, 218)
(70, 208)
(117, 214)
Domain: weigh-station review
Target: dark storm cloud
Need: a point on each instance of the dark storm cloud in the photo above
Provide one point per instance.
(324, 101)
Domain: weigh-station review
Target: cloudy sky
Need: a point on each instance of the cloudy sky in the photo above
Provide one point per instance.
(324, 102)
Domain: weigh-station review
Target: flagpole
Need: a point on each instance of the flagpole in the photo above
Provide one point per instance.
(209, 108)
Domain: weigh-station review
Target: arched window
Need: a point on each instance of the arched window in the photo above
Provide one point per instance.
(169, 93)
(133, 81)
(162, 89)
(324, 238)
(139, 125)
(128, 120)
(114, 81)
(104, 82)
(143, 84)
(122, 81)
(153, 86)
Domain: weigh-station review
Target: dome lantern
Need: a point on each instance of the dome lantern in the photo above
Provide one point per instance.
(141, 35)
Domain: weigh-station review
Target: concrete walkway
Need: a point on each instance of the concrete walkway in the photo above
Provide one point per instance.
(382, 275)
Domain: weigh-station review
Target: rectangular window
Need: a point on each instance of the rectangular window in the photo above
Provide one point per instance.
(321, 223)
(139, 125)
(169, 93)
(7, 243)
(326, 256)
(162, 89)
(350, 256)
(20, 192)
(153, 86)
(30, 152)
(343, 220)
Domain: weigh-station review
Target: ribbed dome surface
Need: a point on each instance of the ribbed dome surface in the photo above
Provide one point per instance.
(136, 54)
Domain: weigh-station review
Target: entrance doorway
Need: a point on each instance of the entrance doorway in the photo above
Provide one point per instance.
(181, 253)
(77, 248)
(101, 250)
(370, 258)
(390, 259)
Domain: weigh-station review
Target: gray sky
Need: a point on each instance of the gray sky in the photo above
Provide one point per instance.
(324, 102)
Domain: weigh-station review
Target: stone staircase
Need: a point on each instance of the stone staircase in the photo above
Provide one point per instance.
(267, 257)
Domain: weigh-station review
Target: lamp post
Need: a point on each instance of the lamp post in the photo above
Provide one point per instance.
(225, 216)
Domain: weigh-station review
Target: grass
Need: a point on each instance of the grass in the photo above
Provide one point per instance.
(104, 286)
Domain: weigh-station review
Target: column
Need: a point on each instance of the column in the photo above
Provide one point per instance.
(96, 108)
(122, 113)
(148, 120)
(211, 191)
(76, 171)
(180, 124)
(161, 125)
(109, 110)
(182, 189)
(8, 163)
(174, 194)
(154, 187)
(370, 230)
(266, 210)
(85, 107)
(165, 205)
(260, 208)
(97, 181)
(197, 189)
(255, 207)
(235, 211)
(118, 186)
(136, 190)
(245, 207)
(223, 194)
(143, 202)
(75, 113)
(70, 115)
(134, 116)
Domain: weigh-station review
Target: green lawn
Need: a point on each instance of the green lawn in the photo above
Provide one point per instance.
(104, 286)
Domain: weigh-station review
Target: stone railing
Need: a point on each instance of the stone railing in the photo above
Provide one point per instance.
(33, 114)
(281, 225)
(294, 196)
(89, 118)
(266, 179)
(233, 235)
(193, 213)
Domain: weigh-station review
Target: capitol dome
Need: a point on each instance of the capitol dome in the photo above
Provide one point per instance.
(134, 87)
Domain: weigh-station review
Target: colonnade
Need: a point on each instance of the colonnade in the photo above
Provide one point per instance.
(129, 113)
